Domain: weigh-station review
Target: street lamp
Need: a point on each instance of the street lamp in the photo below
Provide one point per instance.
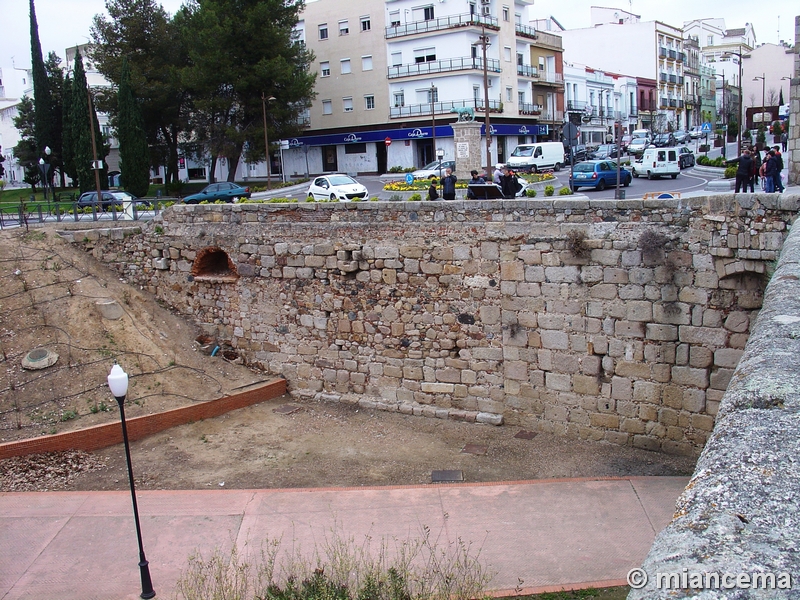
(483, 42)
(741, 101)
(724, 116)
(264, 101)
(118, 384)
(763, 78)
(44, 167)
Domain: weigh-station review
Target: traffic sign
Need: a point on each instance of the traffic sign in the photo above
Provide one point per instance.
(409, 178)
(706, 128)
(388, 141)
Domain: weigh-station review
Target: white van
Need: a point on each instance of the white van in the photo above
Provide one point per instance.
(657, 162)
(537, 156)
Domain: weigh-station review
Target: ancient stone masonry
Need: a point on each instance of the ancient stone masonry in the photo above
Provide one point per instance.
(615, 320)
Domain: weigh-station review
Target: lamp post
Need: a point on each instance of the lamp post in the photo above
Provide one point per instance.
(97, 164)
(763, 78)
(433, 92)
(740, 111)
(44, 167)
(118, 384)
(483, 42)
(724, 115)
(264, 101)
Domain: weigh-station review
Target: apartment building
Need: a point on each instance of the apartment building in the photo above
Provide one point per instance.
(647, 50)
(391, 73)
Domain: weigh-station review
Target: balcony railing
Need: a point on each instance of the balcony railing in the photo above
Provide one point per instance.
(680, 103)
(451, 22)
(576, 105)
(555, 116)
(673, 103)
(551, 77)
(682, 56)
(664, 103)
(530, 109)
(662, 52)
(525, 31)
(440, 108)
(462, 63)
(527, 70)
(633, 111)
(680, 80)
(662, 77)
(672, 54)
(545, 39)
(673, 79)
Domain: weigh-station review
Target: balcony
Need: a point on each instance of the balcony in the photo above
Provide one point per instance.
(554, 116)
(672, 54)
(576, 106)
(530, 109)
(441, 108)
(451, 22)
(662, 52)
(550, 77)
(464, 63)
(525, 31)
(543, 39)
(673, 103)
(662, 77)
(633, 111)
(680, 79)
(681, 56)
(673, 79)
(527, 71)
(663, 103)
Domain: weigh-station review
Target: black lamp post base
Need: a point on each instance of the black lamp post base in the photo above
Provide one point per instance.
(147, 584)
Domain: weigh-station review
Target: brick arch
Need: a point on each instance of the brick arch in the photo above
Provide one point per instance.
(214, 263)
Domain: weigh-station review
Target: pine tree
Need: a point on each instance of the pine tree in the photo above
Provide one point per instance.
(133, 150)
(80, 136)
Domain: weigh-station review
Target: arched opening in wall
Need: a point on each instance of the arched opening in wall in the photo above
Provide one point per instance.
(743, 290)
(214, 264)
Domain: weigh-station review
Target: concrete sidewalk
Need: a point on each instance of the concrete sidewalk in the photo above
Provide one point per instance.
(549, 533)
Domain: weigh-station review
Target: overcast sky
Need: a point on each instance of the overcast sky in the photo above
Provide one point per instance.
(65, 23)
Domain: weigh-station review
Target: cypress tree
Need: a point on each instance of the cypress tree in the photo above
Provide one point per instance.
(44, 114)
(68, 148)
(81, 141)
(133, 150)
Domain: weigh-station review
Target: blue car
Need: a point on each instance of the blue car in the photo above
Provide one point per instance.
(599, 174)
(224, 190)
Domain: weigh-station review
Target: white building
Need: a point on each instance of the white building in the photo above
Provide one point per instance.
(647, 50)
(775, 64)
(19, 80)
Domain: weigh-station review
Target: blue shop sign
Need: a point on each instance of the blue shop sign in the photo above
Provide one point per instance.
(412, 133)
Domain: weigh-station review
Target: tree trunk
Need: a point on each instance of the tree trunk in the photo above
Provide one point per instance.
(212, 175)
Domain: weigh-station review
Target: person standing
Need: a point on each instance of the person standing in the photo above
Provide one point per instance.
(784, 140)
(498, 173)
(778, 181)
(449, 185)
(770, 168)
(754, 175)
(743, 171)
(509, 184)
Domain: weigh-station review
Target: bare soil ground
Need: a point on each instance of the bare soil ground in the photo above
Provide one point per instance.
(48, 295)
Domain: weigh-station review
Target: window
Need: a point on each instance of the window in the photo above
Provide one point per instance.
(521, 98)
(366, 63)
(432, 94)
(476, 93)
(399, 99)
(394, 18)
(347, 103)
(355, 149)
(428, 13)
(506, 13)
(327, 107)
(369, 102)
(325, 69)
(397, 59)
(366, 24)
(541, 63)
(520, 58)
(507, 53)
(345, 64)
(423, 55)
(509, 94)
(323, 31)
(344, 28)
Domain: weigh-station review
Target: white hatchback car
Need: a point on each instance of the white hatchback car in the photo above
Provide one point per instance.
(336, 188)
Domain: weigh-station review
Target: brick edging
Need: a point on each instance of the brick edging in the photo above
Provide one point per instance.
(109, 434)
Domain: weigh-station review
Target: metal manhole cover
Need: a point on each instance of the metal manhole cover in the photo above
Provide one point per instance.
(286, 409)
(445, 476)
(525, 435)
(478, 449)
(39, 358)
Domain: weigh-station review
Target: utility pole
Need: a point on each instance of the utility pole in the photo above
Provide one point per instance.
(484, 43)
(95, 166)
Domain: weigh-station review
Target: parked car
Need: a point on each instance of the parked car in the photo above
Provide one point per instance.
(696, 132)
(108, 200)
(626, 139)
(605, 151)
(664, 140)
(434, 169)
(336, 188)
(638, 145)
(579, 151)
(681, 137)
(224, 190)
(599, 174)
(657, 162)
(685, 157)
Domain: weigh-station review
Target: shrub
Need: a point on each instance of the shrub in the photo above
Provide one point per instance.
(576, 242)
(564, 191)
(730, 172)
(549, 190)
(530, 193)
(415, 198)
(704, 148)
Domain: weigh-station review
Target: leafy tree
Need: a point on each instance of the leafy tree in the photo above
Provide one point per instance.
(142, 32)
(2, 168)
(26, 151)
(227, 76)
(133, 151)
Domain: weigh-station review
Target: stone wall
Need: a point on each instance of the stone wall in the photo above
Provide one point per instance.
(738, 514)
(615, 320)
(793, 147)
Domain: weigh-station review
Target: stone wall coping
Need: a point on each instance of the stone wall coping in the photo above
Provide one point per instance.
(739, 512)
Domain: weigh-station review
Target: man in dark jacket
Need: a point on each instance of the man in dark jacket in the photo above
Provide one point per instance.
(778, 181)
(754, 177)
(744, 171)
(449, 185)
(771, 168)
(476, 179)
(508, 183)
